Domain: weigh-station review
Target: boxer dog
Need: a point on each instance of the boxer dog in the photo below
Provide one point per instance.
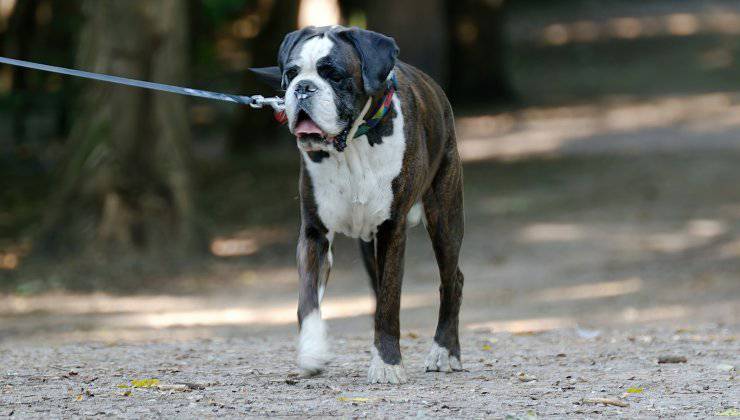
(377, 143)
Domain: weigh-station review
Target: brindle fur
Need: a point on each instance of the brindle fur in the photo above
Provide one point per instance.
(432, 174)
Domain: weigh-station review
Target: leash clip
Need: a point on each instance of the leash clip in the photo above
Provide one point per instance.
(259, 101)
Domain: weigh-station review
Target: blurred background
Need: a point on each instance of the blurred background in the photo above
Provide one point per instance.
(601, 143)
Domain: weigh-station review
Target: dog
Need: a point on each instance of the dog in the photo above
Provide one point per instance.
(378, 148)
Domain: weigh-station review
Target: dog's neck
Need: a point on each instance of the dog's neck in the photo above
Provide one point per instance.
(381, 108)
(370, 116)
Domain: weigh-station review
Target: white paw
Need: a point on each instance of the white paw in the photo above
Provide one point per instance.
(439, 360)
(383, 373)
(313, 345)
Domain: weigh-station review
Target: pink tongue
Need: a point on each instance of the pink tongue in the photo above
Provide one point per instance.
(307, 127)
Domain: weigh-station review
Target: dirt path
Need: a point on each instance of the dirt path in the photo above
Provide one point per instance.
(550, 374)
(585, 262)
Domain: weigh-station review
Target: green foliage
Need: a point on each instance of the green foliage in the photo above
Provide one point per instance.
(22, 195)
(220, 11)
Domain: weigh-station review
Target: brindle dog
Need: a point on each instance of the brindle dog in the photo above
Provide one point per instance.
(374, 186)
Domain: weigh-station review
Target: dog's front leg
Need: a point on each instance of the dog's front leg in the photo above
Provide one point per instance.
(386, 365)
(314, 264)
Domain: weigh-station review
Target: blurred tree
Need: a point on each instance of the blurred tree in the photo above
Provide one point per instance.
(273, 20)
(419, 27)
(18, 41)
(477, 63)
(460, 43)
(127, 174)
(40, 30)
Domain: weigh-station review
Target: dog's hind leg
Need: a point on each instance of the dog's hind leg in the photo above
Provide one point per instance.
(443, 206)
(367, 249)
(314, 264)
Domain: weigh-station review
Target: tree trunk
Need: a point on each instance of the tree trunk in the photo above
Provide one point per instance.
(420, 30)
(478, 67)
(460, 43)
(21, 28)
(126, 183)
(256, 128)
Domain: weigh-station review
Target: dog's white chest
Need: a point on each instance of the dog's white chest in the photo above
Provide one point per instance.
(353, 189)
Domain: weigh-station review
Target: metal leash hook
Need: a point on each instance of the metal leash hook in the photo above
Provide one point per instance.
(277, 103)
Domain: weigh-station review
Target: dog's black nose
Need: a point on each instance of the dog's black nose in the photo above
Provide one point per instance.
(304, 89)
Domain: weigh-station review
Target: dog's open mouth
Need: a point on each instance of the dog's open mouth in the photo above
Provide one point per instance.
(307, 130)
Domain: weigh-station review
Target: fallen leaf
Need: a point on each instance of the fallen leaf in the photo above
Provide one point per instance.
(173, 387)
(354, 399)
(78, 397)
(730, 412)
(605, 401)
(487, 347)
(672, 359)
(144, 383)
(525, 378)
(70, 374)
(725, 367)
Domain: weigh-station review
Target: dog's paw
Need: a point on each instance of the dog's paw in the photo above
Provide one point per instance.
(439, 360)
(313, 345)
(383, 373)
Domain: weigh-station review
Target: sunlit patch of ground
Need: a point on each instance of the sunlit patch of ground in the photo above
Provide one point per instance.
(690, 122)
(579, 51)
(724, 20)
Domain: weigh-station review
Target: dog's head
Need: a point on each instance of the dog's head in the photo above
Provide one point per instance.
(328, 74)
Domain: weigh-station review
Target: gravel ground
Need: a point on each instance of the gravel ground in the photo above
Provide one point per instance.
(548, 374)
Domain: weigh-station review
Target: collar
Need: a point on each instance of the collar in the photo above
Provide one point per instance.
(380, 109)
(371, 119)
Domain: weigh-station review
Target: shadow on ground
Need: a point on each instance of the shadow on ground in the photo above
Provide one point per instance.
(621, 222)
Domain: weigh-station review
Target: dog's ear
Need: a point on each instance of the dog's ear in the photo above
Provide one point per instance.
(271, 76)
(289, 42)
(377, 54)
(287, 46)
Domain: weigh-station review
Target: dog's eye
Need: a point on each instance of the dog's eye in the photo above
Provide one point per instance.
(331, 73)
(291, 73)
